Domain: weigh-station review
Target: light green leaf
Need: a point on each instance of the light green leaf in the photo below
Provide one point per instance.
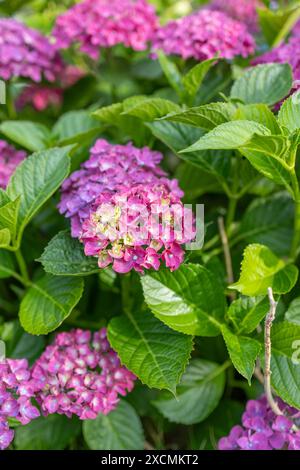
(243, 352)
(198, 394)
(36, 179)
(195, 76)
(9, 217)
(292, 314)
(7, 264)
(64, 256)
(75, 127)
(229, 135)
(261, 269)
(171, 72)
(189, 300)
(48, 302)
(119, 430)
(260, 113)
(156, 354)
(5, 237)
(150, 109)
(246, 313)
(108, 114)
(30, 135)
(206, 117)
(277, 24)
(266, 83)
(289, 113)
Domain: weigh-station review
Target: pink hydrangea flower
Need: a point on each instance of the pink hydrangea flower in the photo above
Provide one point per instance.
(26, 53)
(10, 158)
(79, 374)
(263, 430)
(204, 34)
(17, 388)
(96, 24)
(109, 168)
(241, 10)
(138, 228)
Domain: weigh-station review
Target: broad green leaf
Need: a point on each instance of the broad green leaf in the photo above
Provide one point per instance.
(30, 135)
(261, 269)
(195, 182)
(9, 217)
(150, 109)
(48, 302)
(243, 352)
(266, 83)
(119, 430)
(277, 24)
(64, 256)
(7, 264)
(75, 127)
(5, 237)
(229, 135)
(292, 314)
(198, 394)
(54, 432)
(195, 76)
(171, 72)
(156, 354)
(260, 113)
(246, 313)
(108, 114)
(269, 221)
(206, 117)
(189, 300)
(36, 179)
(289, 113)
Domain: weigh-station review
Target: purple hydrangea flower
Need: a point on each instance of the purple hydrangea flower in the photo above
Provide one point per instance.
(263, 430)
(10, 158)
(204, 34)
(96, 24)
(26, 53)
(241, 10)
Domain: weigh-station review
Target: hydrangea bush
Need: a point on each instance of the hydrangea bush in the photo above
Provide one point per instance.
(149, 225)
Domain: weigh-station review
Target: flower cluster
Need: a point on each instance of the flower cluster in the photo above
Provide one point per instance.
(9, 160)
(263, 430)
(109, 168)
(241, 10)
(95, 24)
(204, 34)
(80, 374)
(137, 228)
(17, 388)
(26, 53)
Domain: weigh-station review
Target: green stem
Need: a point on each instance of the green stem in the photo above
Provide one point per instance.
(22, 267)
(231, 213)
(11, 110)
(296, 236)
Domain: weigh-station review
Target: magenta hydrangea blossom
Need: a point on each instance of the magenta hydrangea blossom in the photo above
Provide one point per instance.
(109, 168)
(263, 430)
(138, 228)
(79, 374)
(96, 24)
(204, 34)
(10, 158)
(26, 53)
(241, 10)
(17, 388)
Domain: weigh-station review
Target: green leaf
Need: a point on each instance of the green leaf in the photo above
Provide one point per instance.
(259, 113)
(266, 83)
(30, 135)
(48, 302)
(189, 300)
(289, 113)
(36, 179)
(261, 269)
(243, 352)
(150, 109)
(206, 117)
(64, 256)
(229, 135)
(9, 217)
(75, 127)
(292, 314)
(246, 313)
(5, 237)
(119, 430)
(156, 354)
(51, 433)
(7, 264)
(277, 24)
(269, 221)
(108, 114)
(171, 72)
(195, 76)
(198, 394)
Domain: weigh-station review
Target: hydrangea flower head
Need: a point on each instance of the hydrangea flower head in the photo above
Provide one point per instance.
(138, 228)
(26, 53)
(96, 24)
(17, 388)
(10, 158)
(203, 35)
(241, 10)
(109, 168)
(263, 430)
(80, 375)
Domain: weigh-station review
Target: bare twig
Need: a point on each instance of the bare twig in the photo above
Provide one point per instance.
(267, 379)
(227, 255)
